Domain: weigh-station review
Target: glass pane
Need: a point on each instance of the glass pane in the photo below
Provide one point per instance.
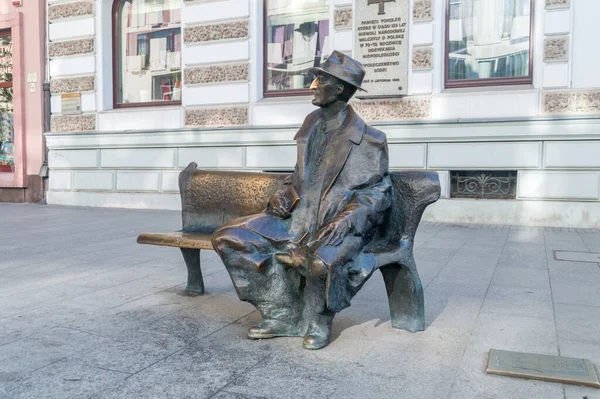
(488, 39)
(297, 39)
(149, 42)
(7, 146)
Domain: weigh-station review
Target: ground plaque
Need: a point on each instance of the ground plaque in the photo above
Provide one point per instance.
(542, 367)
(381, 45)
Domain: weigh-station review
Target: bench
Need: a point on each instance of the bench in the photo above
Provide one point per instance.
(209, 199)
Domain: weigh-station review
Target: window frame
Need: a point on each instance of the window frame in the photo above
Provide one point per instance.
(470, 83)
(115, 69)
(275, 93)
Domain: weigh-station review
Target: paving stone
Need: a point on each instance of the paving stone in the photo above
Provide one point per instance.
(193, 372)
(506, 332)
(63, 379)
(534, 302)
(532, 256)
(574, 272)
(577, 323)
(580, 293)
(39, 350)
(519, 277)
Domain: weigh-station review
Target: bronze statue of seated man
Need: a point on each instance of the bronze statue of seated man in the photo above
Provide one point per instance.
(297, 262)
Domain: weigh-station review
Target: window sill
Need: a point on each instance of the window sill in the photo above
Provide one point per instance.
(142, 108)
(477, 89)
(287, 99)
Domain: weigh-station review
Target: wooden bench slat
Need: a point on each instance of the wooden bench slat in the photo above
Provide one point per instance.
(180, 239)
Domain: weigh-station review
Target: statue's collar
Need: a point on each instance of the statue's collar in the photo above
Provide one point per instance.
(336, 121)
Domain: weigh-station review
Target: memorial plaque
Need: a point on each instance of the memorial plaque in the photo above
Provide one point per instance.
(542, 367)
(381, 45)
(70, 103)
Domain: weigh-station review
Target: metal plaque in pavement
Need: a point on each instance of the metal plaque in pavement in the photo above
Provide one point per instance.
(543, 367)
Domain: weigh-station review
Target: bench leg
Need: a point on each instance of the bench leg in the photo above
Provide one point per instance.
(195, 284)
(405, 296)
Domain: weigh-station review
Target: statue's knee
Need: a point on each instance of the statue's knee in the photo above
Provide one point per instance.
(317, 268)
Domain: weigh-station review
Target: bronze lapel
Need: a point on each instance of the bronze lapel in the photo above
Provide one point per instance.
(350, 135)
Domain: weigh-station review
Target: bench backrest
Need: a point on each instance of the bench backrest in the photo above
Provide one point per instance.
(211, 198)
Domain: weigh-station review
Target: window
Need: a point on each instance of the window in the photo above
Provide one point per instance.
(488, 42)
(147, 42)
(7, 131)
(297, 38)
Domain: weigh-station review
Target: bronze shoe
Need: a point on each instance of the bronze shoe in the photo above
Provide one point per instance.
(271, 329)
(318, 335)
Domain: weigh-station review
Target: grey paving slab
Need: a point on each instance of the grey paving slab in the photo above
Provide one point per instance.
(520, 277)
(507, 332)
(520, 301)
(63, 379)
(41, 349)
(529, 256)
(574, 256)
(577, 323)
(86, 312)
(193, 372)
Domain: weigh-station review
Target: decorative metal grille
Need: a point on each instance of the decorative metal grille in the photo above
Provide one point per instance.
(501, 184)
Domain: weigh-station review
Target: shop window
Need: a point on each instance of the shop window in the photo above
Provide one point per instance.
(296, 39)
(488, 42)
(7, 133)
(147, 44)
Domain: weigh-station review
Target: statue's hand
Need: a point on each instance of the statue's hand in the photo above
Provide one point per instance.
(278, 206)
(334, 233)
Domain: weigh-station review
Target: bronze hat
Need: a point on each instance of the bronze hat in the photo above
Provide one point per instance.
(344, 68)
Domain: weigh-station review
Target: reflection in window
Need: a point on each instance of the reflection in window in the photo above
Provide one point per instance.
(149, 51)
(297, 39)
(7, 145)
(488, 39)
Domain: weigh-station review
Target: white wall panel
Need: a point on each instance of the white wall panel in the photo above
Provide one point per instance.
(557, 22)
(556, 75)
(484, 155)
(585, 56)
(211, 11)
(96, 181)
(71, 29)
(216, 94)
(169, 181)
(65, 66)
(572, 154)
(138, 181)
(558, 185)
(422, 34)
(271, 157)
(116, 200)
(444, 177)
(343, 41)
(71, 159)
(60, 180)
(138, 158)
(212, 157)
(216, 52)
(485, 105)
(421, 82)
(139, 119)
(410, 156)
(288, 112)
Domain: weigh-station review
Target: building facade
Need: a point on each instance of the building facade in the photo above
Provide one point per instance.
(22, 73)
(502, 98)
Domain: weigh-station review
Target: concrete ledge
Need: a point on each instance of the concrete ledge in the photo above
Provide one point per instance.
(514, 212)
(115, 200)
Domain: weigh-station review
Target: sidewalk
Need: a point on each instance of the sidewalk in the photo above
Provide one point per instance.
(86, 312)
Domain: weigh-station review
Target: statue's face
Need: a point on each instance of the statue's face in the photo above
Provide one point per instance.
(327, 90)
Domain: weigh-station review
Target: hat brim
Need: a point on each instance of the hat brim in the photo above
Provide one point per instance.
(315, 70)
